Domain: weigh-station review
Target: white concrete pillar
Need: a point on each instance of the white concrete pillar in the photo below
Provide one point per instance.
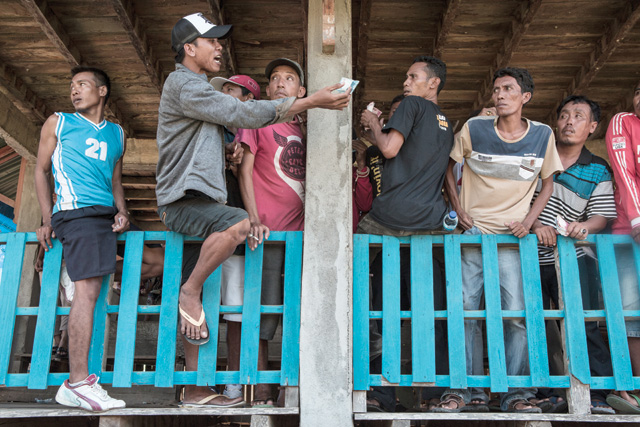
(326, 382)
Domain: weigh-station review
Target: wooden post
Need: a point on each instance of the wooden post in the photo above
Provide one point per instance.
(578, 395)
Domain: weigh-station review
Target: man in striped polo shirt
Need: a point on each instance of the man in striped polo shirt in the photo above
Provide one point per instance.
(583, 197)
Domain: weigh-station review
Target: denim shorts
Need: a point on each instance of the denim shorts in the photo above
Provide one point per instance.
(628, 279)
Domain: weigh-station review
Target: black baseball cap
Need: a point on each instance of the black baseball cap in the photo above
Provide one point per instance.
(196, 25)
(284, 61)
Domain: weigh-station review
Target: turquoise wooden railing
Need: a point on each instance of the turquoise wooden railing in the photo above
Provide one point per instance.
(423, 316)
(165, 374)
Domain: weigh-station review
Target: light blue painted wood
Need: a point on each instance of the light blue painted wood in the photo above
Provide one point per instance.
(536, 331)
(361, 312)
(495, 331)
(96, 350)
(391, 309)
(43, 336)
(290, 364)
(9, 286)
(128, 310)
(251, 316)
(615, 316)
(208, 353)
(576, 339)
(455, 314)
(167, 324)
(422, 309)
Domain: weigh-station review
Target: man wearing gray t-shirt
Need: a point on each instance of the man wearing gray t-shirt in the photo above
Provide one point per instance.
(191, 189)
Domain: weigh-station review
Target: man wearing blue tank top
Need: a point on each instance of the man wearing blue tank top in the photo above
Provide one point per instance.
(84, 152)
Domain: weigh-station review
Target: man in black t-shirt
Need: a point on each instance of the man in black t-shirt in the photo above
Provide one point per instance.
(416, 143)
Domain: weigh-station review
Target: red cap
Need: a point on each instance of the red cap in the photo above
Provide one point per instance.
(240, 80)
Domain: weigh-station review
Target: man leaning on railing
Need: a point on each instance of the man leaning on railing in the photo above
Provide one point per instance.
(583, 198)
(623, 146)
(416, 143)
(503, 158)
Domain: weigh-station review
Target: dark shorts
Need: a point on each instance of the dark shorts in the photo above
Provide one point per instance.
(198, 215)
(88, 241)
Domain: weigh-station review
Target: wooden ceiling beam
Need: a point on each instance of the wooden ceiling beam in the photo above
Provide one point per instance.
(228, 53)
(527, 13)
(132, 26)
(53, 28)
(612, 37)
(445, 26)
(20, 133)
(7, 200)
(361, 55)
(22, 97)
(6, 154)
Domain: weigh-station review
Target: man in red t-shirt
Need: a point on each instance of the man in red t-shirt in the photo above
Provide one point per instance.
(271, 178)
(623, 147)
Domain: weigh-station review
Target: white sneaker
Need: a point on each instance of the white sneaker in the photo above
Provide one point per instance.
(68, 286)
(232, 391)
(87, 395)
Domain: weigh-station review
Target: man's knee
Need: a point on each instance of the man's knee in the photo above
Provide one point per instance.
(239, 232)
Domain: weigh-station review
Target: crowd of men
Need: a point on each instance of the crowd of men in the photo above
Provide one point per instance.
(231, 168)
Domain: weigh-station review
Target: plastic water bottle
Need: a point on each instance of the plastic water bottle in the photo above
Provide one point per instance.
(450, 222)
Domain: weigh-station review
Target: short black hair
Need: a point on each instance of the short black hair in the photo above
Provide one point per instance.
(435, 67)
(398, 98)
(99, 76)
(522, 76)
(581, 99)
(244, 90)
(180, 55)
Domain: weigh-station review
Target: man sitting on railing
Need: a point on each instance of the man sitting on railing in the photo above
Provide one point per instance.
(583, 197)
(503, 158)
(416, 143)
(191, 188)
(86, 152)
(623, 146)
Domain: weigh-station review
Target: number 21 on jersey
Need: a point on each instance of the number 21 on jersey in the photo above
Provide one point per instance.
(97, 149)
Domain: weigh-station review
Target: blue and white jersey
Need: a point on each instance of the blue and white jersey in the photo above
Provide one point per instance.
(83, 161)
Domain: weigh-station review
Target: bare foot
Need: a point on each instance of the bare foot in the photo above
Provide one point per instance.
(190, 302)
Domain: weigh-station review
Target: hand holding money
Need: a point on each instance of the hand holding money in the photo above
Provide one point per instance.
(346, 84)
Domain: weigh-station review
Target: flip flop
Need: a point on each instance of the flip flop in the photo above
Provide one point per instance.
(559, 406)
(194, 322)
(451, 398)
(621, 404)
(599, 406)
(204, 403)
(533, 410)
(477, 406)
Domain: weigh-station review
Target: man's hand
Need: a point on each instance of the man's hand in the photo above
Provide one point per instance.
(39, 260)
(120, 222)
(234, 152)
(464, 220)
(361, 149)
(258, 233)
(44, 235)
(546, 235)
(577, 230)
(635, 233)
(324, 98)
(368, 119)
(517, 228)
